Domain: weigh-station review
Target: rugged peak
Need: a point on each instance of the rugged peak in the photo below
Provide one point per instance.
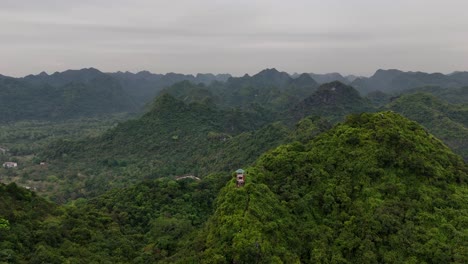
(336, 91)
(386, 74)
(271, 73)
(205, 75)
(332, 100)
(43, 74)
(304, 76)
(272, 77)
(304, 79)
(146, 73)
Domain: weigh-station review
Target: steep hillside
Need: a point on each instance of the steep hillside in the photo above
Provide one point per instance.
(139, 224)
(332, 100)
(446, 121)
(376, 189)
(22, 213)
(379, 98)
(173, 138)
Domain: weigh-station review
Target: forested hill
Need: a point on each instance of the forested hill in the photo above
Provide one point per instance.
(62, 97)
(333, 100)
(269, 91)
(448, 122)
(144, 86)
(84, 93)
(190, 129)
(451, 95)
(376, 189)
(170, 126)
(172, 138)
(90, 92)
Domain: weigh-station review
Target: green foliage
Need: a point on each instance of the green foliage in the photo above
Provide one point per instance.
(173, 138)
(375, 189)
(333, 101)
(446, 121)
(378, 98)
(269, 92)
(4, 224)
(29, 137)
(143, 223)
(249, 226)
(451, 95)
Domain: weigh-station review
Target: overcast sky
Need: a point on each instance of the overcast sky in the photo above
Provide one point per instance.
(237, 36)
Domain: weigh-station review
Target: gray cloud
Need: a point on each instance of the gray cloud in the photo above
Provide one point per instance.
(233, 36)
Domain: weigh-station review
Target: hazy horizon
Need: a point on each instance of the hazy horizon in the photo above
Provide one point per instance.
(189, 37)
(233, 75)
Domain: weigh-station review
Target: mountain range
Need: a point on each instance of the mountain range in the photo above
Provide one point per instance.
(354, 170)
(396, 81)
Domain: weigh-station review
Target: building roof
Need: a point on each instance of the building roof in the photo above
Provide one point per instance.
(10, 164)
(240, 171)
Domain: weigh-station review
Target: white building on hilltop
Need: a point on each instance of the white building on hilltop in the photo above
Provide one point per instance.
(10, 164)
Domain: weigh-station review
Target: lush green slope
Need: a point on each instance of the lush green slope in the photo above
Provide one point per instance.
(379, 98)
(22, 214)
(376, 189)
(333, 100)
(446, 121)
(140, 224)
(173, 138)
(451, 95)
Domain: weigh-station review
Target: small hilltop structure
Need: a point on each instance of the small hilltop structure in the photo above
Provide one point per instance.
(10, 164)
(240, 177)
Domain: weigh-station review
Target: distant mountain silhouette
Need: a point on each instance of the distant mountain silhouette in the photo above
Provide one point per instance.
(62, 78)
(144, 86)
(395, 81)
(329, 77)
(90, 92)
(70, 94)
(269, 89)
